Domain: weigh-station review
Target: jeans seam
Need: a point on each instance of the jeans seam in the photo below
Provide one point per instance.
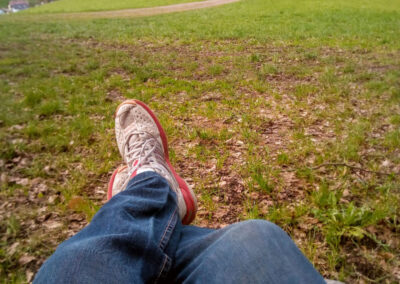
(162, 268)
(161, 244)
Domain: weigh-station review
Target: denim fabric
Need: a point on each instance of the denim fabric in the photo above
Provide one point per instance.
(137, 237)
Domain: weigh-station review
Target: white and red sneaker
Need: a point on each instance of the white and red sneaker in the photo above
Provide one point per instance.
(143, 145)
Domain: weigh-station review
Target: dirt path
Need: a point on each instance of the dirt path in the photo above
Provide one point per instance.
(148, 11)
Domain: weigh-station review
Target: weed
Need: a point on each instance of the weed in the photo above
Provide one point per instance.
(50, 107)
(325, 198)
(392, 140)
(352, 144)
(348, 221)
(395, 119)
(221, 158)
(215, 70)
(259, 175)
(251, 211)
(206, 199)
(349, 68)
(269, 69)
(396, 94)
(12, 226)
(283, 158)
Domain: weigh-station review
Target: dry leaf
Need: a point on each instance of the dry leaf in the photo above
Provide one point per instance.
(76, 202)
(13, 248)
(52, 198)
(52, 224)
(29, 276)
(22, 181)
(25, 259)
(386, 163)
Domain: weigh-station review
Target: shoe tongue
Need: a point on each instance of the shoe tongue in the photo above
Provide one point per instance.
(144, 139)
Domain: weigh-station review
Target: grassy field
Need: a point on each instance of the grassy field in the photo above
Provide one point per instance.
(287, 111)
(67, 6)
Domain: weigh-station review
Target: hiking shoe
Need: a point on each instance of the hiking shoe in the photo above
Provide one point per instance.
(143, 145)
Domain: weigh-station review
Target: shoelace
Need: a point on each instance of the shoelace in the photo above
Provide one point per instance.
(139, 153)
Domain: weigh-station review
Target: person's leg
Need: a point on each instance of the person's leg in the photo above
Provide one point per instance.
(130, 240)
(253, 251)
(133, 237)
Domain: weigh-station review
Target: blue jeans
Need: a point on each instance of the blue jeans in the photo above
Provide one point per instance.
(137, 237)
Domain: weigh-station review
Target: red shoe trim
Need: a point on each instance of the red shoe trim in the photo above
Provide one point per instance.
(187, 196)
(133, 175)
(110, 184)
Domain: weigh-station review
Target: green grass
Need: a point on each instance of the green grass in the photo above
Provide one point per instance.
(68, 6)
(363, 23)
(286, 111)
(3, 3)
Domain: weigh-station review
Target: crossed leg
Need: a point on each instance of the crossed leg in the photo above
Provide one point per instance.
(137, 237)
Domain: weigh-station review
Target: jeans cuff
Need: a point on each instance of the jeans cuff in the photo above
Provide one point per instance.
(144, 176)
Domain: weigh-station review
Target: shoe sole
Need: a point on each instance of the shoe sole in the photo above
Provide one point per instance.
(187, 195)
